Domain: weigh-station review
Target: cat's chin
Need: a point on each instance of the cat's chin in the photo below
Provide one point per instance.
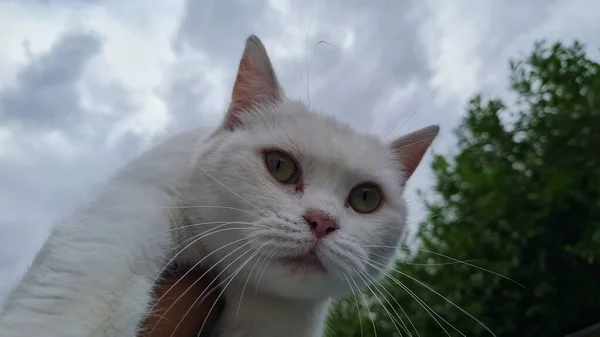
(301, 278)
(308, 263)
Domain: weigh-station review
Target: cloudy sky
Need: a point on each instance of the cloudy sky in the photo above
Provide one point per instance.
(87, 84)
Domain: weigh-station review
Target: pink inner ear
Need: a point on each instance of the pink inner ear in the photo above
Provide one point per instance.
(255, 84)
(411, 148)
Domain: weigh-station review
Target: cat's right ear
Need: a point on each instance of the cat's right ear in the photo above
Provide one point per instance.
(255, 84)
(410, 149)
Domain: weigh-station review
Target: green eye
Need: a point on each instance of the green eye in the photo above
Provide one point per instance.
(365, 198)
(282, 167)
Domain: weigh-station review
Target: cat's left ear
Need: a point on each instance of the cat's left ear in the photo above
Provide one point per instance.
(255, 84)
(411, 148)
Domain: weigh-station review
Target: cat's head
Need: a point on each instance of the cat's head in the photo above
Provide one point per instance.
(306, 206)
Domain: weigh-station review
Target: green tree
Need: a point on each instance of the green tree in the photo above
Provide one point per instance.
(520, 197)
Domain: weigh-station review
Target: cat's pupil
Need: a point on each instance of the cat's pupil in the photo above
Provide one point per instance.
(281, 167)
(364, 198)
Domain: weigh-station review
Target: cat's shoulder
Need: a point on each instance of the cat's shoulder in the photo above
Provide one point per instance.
(166, 161)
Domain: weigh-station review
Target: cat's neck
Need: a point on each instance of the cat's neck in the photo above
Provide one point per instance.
(259, 314)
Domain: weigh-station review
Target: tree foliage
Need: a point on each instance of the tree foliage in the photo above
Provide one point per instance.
(519, 197)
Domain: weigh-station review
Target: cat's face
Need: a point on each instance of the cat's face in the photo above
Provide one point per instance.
(312, 205)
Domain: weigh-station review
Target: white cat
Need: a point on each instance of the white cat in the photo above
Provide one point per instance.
(288, 202)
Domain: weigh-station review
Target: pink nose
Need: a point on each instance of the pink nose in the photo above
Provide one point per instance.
(320, 223)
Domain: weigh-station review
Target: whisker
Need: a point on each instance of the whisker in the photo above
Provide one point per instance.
(306, 62)
(393, 298)
(187, 207)
(219, 207)
(198, 238)
(431, 264)
(262, 259)
(250, 227)
(198, 280)
(440, 295)
(358, 312)
(426, 264)
(192, 268)
(200, 224)
(449, 301)
(193, 241)
(249, 275)
(474, 266)
(457, 261)
(396, 129)
(398, 304)
(293, 60)
(417, 142)
(204, 295)
(377, 284)
(213, 281)
(358, 273)
(265, 268)
(227, 188)
(419, 301)
(366, 306)
(234, 274)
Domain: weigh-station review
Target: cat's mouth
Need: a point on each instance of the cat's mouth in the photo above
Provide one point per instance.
(308, 262)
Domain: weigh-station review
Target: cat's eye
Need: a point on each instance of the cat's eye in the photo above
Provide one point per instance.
(365, 198)
(282, 167)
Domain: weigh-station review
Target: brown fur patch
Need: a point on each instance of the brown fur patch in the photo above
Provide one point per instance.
(162, 321)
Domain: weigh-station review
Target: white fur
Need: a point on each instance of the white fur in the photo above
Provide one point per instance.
(94, 275)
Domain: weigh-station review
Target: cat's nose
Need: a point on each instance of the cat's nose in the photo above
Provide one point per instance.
(320, 223)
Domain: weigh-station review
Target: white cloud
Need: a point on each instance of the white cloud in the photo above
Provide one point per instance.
(454, 34)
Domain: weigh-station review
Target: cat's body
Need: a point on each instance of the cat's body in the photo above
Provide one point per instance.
(290, 205)
(125, 250)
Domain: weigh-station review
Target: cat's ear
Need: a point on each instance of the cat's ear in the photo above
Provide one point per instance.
(411, 148)
(255, 84)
